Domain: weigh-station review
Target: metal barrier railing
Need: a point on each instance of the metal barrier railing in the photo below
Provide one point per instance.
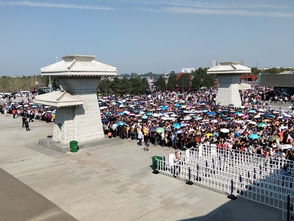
(232, 173)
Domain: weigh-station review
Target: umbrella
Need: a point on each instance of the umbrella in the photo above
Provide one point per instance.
(169, 118)
(211, 113)
(163, 107)
(287, 115)
(245, 116)
(179, 131)
(178, 105)
(253, 136)
(252, 111)
(149, 114)
(120, 123)
(152, 129)
(144, 117)
(173, 115)
(261, 125)
(105, 120)
(197, 118)
(285, 146)
(177, 125)
(184, 125)
(168, 129)
(187, 117)
(159, 130)
(156, 115)
(237, 113)
(223, 123)
(224, 130)
(252, 122)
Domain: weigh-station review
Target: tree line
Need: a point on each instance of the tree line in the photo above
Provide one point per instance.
(120, 86)
(24, 83)
(185, 81)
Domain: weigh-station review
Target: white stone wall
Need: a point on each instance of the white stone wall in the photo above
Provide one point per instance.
(85, 121)
(228, 91)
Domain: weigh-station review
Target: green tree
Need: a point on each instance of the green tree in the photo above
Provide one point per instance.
(144, 85)
(208, 80)
(184, 82)
(160, 84)
(172, 82)
(196, 82)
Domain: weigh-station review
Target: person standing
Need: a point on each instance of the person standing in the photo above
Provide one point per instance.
(23, 121)
(27, 125)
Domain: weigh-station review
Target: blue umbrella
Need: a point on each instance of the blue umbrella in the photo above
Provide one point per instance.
(211, 113)
(261, 125)
(252, 111)
(149, 114)
(177, 125)
(253, 136)
(120, 123)
(163, 107)
(178, 105)
(105, 120)
(237, 113)
(144, 117)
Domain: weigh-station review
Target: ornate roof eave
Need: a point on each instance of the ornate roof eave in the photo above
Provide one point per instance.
(59, 99)
(81, 74)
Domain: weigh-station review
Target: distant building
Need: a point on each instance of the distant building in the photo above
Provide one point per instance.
(188, 70)
(283, 81)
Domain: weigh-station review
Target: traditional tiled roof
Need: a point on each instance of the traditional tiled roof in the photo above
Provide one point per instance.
(78, 65)
(59, 99)
(229, 68)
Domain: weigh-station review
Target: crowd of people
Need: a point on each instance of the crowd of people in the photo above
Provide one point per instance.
(25, 108)
(186, 120)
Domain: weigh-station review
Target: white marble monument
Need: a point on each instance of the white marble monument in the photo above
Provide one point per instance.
(228, 75)
(77, 110)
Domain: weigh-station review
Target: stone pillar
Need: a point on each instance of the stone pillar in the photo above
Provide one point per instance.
(85, 123)
(228, 91)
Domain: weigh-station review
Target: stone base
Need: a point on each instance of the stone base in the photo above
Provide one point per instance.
(63, 148)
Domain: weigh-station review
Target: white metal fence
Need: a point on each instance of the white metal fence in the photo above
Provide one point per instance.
(269, 181)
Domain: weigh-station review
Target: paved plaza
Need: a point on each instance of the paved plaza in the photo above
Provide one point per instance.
(112, 181)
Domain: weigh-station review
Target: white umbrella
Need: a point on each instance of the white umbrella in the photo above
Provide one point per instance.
(224, 130)
(285, 146)
(187, 117)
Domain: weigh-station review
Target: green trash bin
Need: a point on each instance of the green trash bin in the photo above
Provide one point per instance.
(73, 146)
(155, 163)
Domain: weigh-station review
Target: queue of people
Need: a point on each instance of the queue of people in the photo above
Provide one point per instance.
(185, 120)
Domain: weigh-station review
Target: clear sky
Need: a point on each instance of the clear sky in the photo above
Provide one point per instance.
(146, 35)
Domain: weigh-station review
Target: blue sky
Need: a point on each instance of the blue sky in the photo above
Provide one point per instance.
(146, 35)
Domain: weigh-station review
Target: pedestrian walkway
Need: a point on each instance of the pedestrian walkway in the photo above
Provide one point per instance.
(20, 202)
(112, 181)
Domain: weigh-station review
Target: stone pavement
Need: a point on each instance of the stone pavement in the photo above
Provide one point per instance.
(112, 181)
(19, 202)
